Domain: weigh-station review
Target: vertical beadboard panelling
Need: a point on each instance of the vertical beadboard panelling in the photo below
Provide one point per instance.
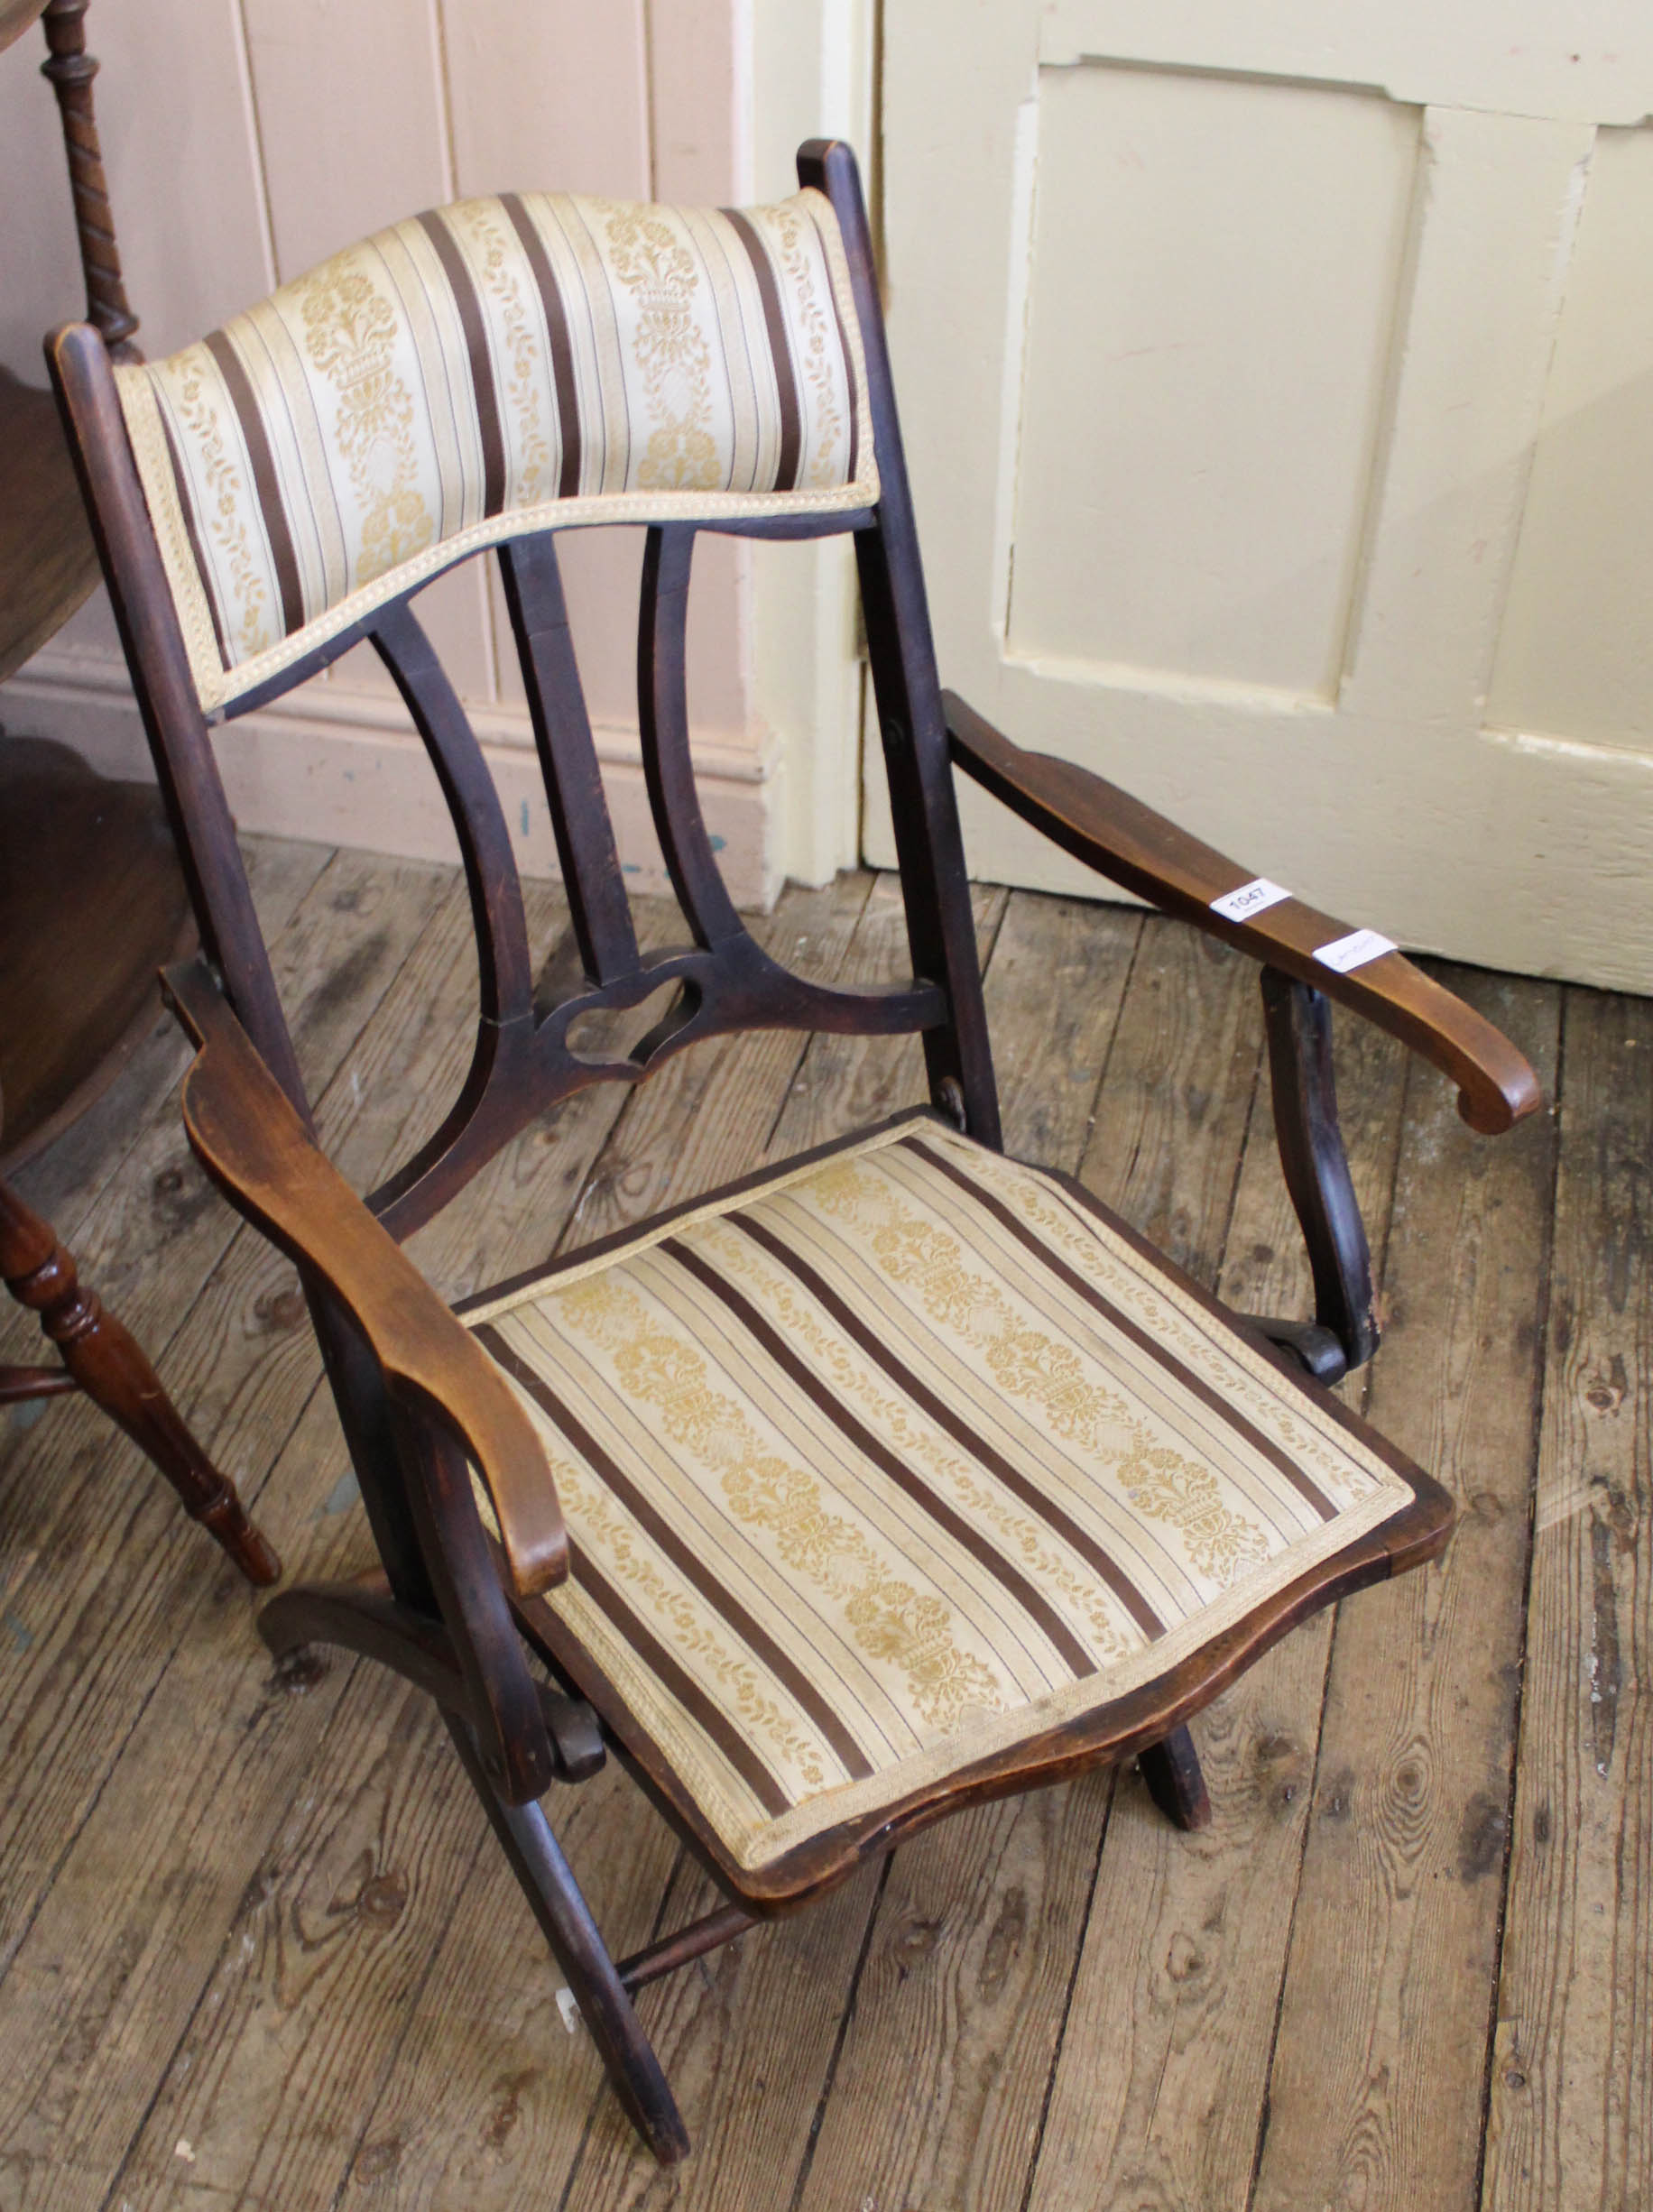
(39, 281)
(350, 114)
(352, 123)
(811, 65)
(171, 110)
(548, 95)
(698, 51)
(697, 71)
(552, 96)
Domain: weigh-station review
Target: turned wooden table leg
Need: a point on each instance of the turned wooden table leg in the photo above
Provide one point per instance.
(104, 1360)
(1176, 1784)
(71, 70)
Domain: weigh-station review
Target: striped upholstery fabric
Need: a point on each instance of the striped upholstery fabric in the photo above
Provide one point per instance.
(485, 370)
(899, 1459)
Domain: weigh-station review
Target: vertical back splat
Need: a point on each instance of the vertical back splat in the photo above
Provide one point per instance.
(662, 704)
(483, 1116)
(599, 908)
(478, 819)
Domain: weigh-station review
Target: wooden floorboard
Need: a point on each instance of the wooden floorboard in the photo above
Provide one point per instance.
(1571, 2081)
(256, 1948)
(1378, 2084)
(1165, 2062)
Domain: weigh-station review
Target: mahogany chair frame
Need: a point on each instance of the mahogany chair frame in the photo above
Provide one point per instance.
(419, 1400)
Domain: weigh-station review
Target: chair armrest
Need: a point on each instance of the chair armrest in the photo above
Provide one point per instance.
(1123, 839)
(244, 1131)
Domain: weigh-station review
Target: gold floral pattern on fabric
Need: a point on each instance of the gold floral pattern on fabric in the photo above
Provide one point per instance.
(350, 334)
(499, 267)
(594, 1521)
(671, 352)
(1029, 1366)
(227, 507)
(812, 333)
(905, 1628)
(922, 1446)
(1055, 1218)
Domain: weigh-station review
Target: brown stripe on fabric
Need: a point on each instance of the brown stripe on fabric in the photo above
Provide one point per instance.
(187, 508)
(682, 1686)
(1062, 1525)
(562, 350)
(849, 369)
(1184, 1376)
(482, 361)
(276, 526)
(1032, 1601)
(549, 1271)
(785, 375)
(721, 1600)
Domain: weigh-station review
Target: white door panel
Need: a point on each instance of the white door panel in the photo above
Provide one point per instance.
(1225, 349)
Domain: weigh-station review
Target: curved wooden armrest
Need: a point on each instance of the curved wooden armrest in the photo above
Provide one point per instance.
(246, 1135)
(1122, 838)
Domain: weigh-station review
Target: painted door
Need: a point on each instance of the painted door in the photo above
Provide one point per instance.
(1278, 387)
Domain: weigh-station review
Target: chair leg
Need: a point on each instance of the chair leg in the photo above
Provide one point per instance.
(1171, 1770)
(565, 1921)
(107, 1362)
(363, 1616)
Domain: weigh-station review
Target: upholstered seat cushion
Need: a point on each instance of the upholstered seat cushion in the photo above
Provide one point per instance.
(896, 1459)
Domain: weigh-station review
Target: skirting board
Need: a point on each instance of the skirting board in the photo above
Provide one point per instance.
(342, 767)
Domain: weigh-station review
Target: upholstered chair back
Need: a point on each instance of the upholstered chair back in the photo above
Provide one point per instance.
(483, 372)
(481, 377)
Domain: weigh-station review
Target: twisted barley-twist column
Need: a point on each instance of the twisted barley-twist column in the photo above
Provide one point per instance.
(70, 71)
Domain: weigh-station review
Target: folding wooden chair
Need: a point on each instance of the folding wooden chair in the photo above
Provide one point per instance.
(896, 1476)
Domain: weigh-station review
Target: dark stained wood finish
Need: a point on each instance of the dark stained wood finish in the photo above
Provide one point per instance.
(670, 1952)
(48, 562)
(71, 70)
(203, 825)
(90, 898)
(907, 692)
(18, 1385)
(91, 904)
(1316, 1170)
(417, 1396)
(599, 913)
(102, 1359)
(250, 1139)
(604, 2002)
(1128, 842)
(1171, 1770)
(361, 1615)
